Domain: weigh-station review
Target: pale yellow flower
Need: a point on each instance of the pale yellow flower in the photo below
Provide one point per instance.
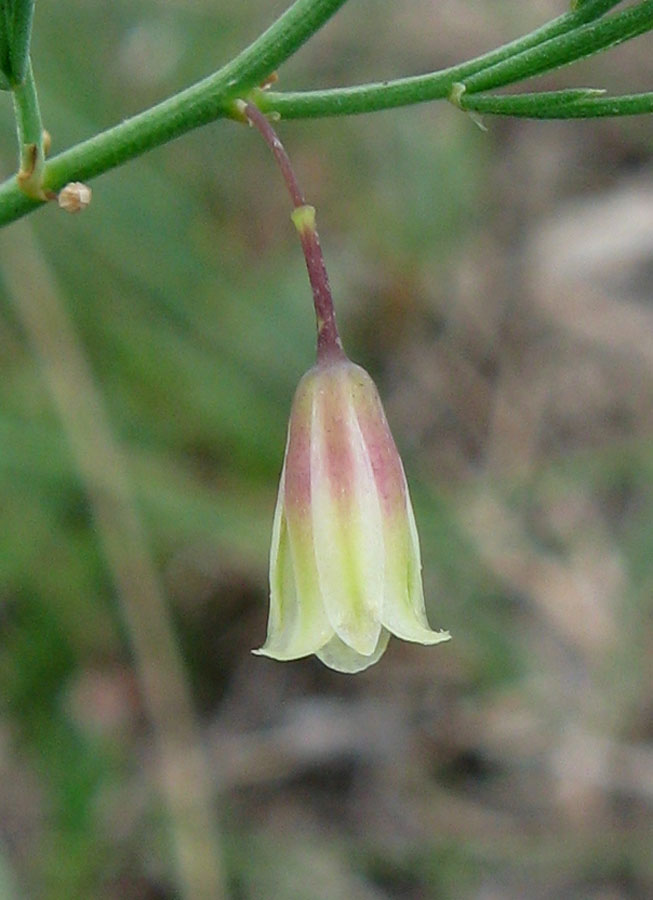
(345, 570)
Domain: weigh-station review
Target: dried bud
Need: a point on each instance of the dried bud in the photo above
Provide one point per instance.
(74, 197)
(345, 568)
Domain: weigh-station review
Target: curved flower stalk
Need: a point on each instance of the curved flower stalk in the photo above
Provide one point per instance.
(345, 569)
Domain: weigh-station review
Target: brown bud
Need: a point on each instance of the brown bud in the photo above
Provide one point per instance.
(74, 197)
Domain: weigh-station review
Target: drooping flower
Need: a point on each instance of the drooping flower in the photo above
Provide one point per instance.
(345, 570)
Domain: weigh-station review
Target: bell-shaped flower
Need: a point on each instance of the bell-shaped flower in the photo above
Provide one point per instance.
(345, 570)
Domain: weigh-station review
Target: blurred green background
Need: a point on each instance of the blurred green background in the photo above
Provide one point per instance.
(497, 285)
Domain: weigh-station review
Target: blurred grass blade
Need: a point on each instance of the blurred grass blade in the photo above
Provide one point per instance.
(183, 776)
(8, 888)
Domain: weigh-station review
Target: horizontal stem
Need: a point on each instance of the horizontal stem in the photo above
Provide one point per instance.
(578, 44)
(586, 104)
(201, 103)
(551, 45)
(545, 48)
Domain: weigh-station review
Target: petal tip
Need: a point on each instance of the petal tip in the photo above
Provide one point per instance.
(341, 657)
(441, 636)
(430, 638)
(279, 655)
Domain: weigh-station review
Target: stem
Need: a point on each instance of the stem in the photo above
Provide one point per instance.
(578, 44)
(421, 88)
(30, 137)
(199, 104)
(329, 345)
(19, 26)
(587, 10)
(570, 104)
(213, 97)
(258, 120)
(5, 33)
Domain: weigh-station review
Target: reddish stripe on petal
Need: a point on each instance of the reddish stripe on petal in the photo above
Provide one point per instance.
(332, 430)
(382, 451)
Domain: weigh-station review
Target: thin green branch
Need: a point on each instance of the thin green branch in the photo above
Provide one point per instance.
(201, 103)
(5, 65)
(578, 44)
(548, 47)
(20, 15)
(571, 104)
(31, 155)
(587, 10)
(584, 30)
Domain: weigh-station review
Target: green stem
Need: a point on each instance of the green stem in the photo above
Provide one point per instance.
(21, 15)
(5, 63)
(587, 10)
(578, 44)
(201, 103)
(548, 47)
(213, 97)
(571, 104)
(30, 137)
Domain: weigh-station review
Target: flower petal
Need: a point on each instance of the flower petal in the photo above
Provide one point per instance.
(346, 517)
(297, 624)
(403, 608)
(404, 612)
(341, 657)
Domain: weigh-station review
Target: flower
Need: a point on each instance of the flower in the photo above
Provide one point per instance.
(345, 568)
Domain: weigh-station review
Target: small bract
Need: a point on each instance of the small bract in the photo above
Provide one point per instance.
(345, 570)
